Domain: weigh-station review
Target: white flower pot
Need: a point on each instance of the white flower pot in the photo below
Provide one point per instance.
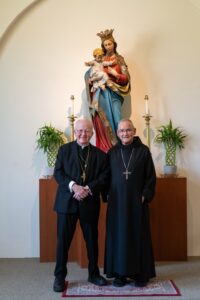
(170, 170)
(47, 172)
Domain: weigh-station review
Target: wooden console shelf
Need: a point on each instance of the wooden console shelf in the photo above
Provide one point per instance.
(168, 223)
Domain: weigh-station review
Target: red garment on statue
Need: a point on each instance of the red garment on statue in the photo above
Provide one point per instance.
(123, 79)
(102, 139)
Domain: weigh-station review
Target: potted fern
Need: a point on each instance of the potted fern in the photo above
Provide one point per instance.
(49, 139)
(172, 139)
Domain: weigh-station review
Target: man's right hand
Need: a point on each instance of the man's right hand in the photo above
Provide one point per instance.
(80, 192)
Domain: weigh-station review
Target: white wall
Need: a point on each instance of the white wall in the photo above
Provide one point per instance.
(42, 54)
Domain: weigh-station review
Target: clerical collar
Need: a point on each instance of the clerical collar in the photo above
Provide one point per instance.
(82, 146)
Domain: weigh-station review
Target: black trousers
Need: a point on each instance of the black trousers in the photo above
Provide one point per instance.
(66, 225)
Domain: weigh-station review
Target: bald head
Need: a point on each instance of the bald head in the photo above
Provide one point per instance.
(83, 123)
(128, 121)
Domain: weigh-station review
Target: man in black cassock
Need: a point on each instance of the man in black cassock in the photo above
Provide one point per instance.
(81, 171)
(128, 252)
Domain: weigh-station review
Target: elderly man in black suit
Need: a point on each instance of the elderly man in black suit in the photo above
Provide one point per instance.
(82, 172)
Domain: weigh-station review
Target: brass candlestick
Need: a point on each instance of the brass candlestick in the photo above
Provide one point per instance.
(72, 118)
(147, 118)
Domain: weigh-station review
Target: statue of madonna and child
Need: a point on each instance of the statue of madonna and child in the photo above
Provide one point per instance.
(107, 82)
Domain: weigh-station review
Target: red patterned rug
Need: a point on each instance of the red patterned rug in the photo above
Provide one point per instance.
(154, 288)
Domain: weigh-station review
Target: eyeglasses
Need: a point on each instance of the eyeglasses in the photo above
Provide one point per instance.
(80, 131)
(129, 130)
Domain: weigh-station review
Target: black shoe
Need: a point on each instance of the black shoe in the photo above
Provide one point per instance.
(132, 278)
(140, 283)
(97, 280)
(59, 285)
(119, 281)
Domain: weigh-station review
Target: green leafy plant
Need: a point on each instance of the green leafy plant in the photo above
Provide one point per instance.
(49, 139)
(172, 138)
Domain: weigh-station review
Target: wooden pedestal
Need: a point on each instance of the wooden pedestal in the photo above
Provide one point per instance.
(168, 223)
(168, 212)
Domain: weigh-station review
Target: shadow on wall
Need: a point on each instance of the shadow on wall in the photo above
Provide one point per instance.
(84, 110)
(83, 113)
(126, 107)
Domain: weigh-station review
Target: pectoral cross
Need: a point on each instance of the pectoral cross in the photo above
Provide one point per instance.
(126, 174)
(83, 176)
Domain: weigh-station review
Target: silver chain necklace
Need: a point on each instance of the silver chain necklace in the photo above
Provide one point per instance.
(127, 172)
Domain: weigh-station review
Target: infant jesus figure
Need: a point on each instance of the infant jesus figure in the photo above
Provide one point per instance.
(98, 78)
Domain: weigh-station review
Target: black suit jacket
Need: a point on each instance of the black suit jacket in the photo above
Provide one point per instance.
(67, 168)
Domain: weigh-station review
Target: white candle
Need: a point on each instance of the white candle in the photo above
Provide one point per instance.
(72, 107)
(146, 105)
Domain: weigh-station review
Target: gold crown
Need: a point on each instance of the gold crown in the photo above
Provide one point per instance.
(106, 35)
